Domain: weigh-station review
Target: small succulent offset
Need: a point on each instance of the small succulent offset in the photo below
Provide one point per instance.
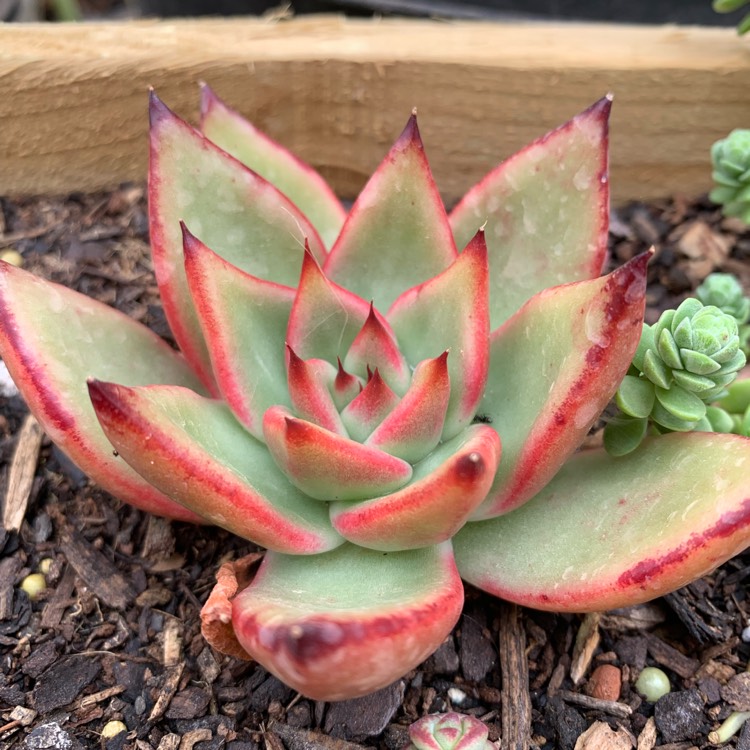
(346, 387)
(683, 364)
(730, 158)
(723, 290)
(449, 731)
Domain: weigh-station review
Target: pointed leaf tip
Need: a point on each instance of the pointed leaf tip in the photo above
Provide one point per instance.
(157, 110)
(208, 99)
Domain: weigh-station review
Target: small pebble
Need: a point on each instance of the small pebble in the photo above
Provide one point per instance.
(112, 729)
(9, 255)
(605, 683)
(34, 585)
(746, 635)
(652, 684)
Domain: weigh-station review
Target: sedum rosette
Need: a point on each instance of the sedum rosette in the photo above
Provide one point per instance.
(449, 731)
(730, 157)
(386, 400)
(682, 365)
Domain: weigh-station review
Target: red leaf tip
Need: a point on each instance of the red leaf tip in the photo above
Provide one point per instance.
(208, 99)
(471, 467)
(410, 137)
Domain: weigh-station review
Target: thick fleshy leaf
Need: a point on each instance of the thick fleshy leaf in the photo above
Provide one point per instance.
(445, 488)
(364, 413)
(239, 215)
(244, 322)
(310, 382)
(609, 532)
(326, 318)
(194, 450)
(414, 426)
(327, 466)
(52, 339)
(450, 312)
(375, 347)
(297, 180)
(397, 224)
(554, 367)
(352, 622)
(546, 211)
(345, 386)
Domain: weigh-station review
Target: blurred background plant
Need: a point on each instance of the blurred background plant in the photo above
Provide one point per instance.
(730, 6)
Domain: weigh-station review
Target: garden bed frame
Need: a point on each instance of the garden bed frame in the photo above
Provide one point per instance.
(337, 91)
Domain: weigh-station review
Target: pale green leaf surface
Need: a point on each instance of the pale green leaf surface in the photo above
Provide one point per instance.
(610, 532)
(52, 339)
(353, 621)
(202, 457)
(546, 213)
(554, 366)
(236, 213)
(397, 233)
(297, 180)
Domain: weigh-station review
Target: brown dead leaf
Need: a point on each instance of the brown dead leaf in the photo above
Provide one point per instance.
(704, 249)
(599, 736)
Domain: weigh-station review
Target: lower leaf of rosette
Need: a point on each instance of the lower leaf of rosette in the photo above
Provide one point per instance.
(444, 490)
(612, 532)
(350, 621)
(193, 449)
(328, 466)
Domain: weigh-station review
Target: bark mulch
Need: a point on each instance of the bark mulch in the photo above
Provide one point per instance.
(115, 636)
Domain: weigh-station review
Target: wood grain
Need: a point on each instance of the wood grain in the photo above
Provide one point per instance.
(336, 91)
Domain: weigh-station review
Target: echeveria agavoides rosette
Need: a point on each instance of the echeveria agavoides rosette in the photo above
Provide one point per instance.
(386, 400)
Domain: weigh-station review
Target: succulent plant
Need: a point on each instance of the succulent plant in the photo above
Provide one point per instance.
(683, 364)
(449, 731)
(345, 385)
(730, 157)
(729, 6)
(723, 290)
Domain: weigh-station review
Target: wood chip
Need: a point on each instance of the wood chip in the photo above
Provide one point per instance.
(101, 576)
(193, 737)
(737, 692)
(587, 641)
(172, 653)
(613, 708)
(515, 700)
(21, 474)
(10, 567)
(169, 742)
(303, 739)
(599, 736)
(634, 618)
(59, 601)
(647, 737)
(670, 657)
(168, 689)
(704, 248)
(102, 695)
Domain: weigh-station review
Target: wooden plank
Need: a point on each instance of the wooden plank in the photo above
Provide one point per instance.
(337, 91)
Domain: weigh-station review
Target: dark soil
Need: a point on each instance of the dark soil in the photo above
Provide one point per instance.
(115, 636)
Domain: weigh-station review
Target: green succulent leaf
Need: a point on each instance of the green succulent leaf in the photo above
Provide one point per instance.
(199, 455)
(554, 366)
(236, 213)
(351, 622)
(449, 312)
(380, 236)
(52, 339)
(635, 396)
(243, 319)
(545, 212)
(623, 434)
(681, 403)
(610, 531)
(297, 180)
(444, 490)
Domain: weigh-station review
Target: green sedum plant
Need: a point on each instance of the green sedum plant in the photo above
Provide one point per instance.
(388, 400)
(730, 157)
(723, 290)
(682, 365)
